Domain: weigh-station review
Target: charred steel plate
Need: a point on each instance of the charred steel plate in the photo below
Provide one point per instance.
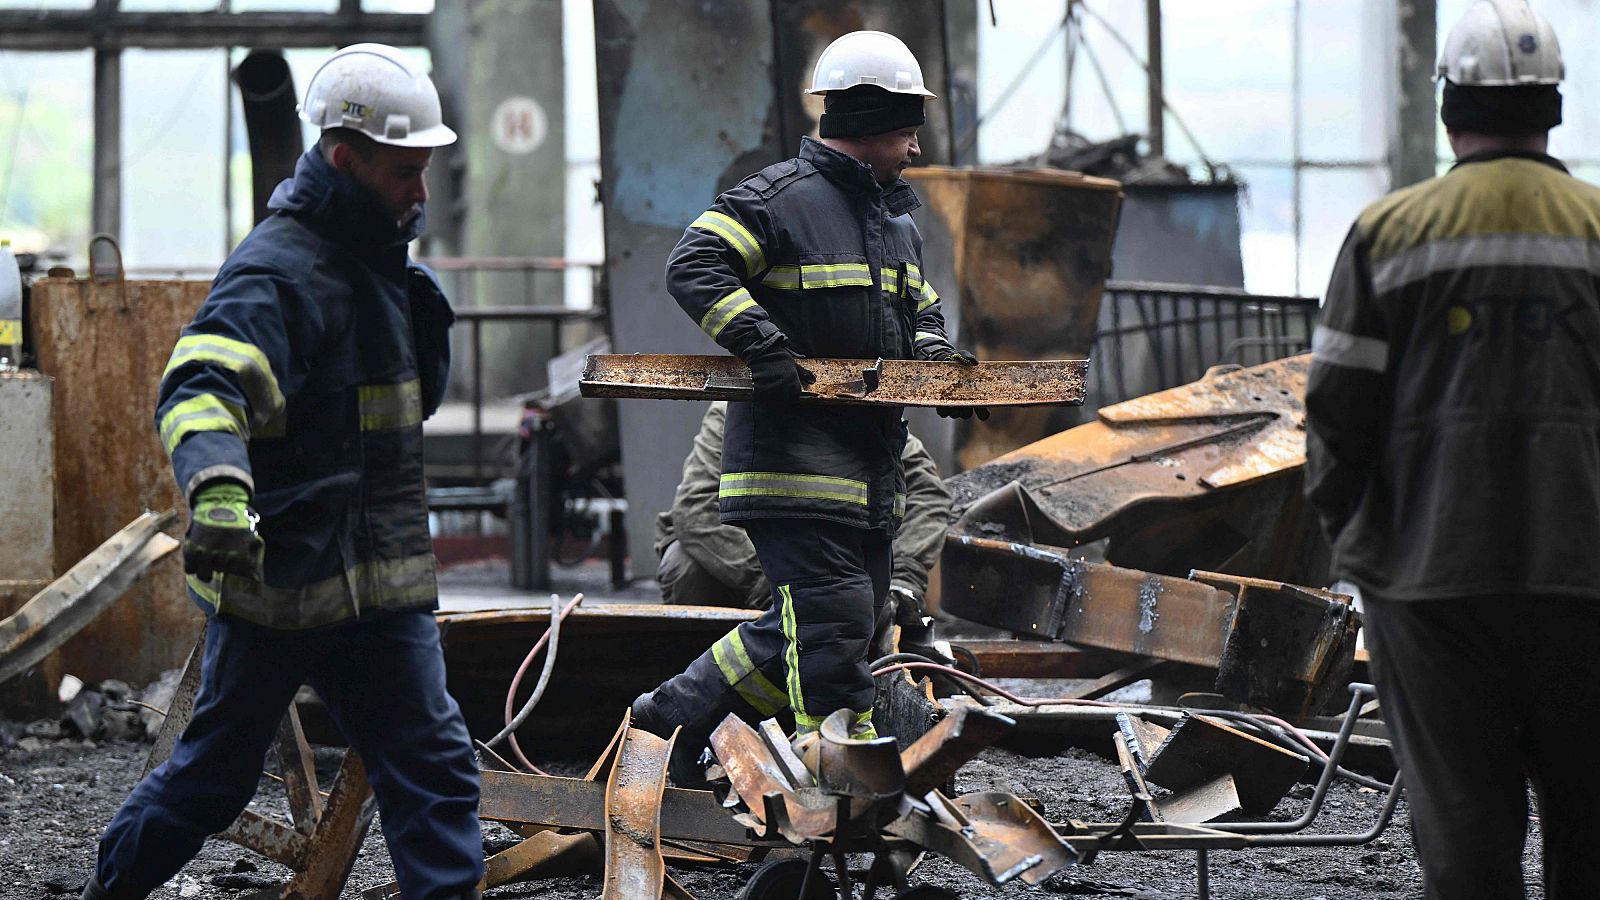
(901, 382)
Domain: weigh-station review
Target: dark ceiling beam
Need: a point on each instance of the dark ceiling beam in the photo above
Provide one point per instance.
(102, 29)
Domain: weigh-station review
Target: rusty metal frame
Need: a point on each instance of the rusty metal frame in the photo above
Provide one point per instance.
(324, 835)
(896, 382)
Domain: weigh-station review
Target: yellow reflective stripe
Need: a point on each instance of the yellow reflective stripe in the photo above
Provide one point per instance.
(205, 412)
(862, 728)
(835, 275)
(927, 336)
(783, 484)
(376, 584)
(929, 297)
(783, 278)
(724, 310)
(737, 236)
(10, 331)
(900, 504)
(734, 663)
(245, 360)
(794, 278)
(390, 405)
(891, 279)
(791, 658)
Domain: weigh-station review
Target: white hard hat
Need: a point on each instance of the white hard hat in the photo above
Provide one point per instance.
(376, 90)
(868, 57)
(1501, 43)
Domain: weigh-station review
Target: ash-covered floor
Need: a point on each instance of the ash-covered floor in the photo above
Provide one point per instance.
(55, 798)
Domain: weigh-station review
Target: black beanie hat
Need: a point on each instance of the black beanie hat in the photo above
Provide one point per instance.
(868, 109)
(1511, 109)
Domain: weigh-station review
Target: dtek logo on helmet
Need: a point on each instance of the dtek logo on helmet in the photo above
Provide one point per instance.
(359, 110)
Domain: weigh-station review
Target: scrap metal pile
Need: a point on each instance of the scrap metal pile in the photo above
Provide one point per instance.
(1176, 483)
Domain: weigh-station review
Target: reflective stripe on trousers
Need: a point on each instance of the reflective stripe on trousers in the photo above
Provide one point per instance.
(813, 641)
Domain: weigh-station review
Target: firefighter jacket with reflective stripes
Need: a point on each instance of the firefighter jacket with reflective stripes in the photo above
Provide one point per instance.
(725, 551)
(811, 254)
(306, 375)
(1453, 406)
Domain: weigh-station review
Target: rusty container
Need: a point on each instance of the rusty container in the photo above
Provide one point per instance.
(1020, 258)
(106, 343)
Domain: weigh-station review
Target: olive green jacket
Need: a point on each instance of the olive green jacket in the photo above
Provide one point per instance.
(725, 551)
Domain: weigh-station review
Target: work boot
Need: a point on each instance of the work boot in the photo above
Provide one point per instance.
(94, 890)
(683, 767)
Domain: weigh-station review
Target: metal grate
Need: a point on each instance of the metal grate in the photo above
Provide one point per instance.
(1151, 337)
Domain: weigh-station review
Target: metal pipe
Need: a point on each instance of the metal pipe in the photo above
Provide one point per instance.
(1337, 840)
(1359, 694)
(1157, 103)
(266, 94)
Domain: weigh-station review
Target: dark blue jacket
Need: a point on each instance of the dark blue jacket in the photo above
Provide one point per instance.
(812, 254)
(306, 376)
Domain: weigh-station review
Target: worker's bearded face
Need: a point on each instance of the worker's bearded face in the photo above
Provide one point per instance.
(396, 174)
(889, 153)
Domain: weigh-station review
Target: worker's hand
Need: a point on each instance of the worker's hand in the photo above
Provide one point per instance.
(778, 376)
(222, 533)
(951, 354)
(963, 412)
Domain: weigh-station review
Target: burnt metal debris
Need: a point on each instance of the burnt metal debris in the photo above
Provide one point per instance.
(1206, 475)
(890, 382)
(1196, 472)
(1274, 645)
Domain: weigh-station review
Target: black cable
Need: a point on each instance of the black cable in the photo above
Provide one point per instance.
(902, 657)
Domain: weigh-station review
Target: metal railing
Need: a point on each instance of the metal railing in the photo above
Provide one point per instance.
(1150, 337)
(468, 279)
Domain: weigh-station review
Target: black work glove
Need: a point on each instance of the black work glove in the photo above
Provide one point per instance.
(778, 376)
(222, 533)
(963, 412)
(951, 354)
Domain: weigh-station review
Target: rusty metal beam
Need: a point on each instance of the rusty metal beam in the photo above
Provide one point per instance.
(337, 837)
(902, 382)
(1040, 659)
(992, 834)
(577, 803)
(958, 737)
(634, 867)
(850, 767)
(72, 601)
(299, 772)
(759, 781)
(1199, 748)
(1273, 645)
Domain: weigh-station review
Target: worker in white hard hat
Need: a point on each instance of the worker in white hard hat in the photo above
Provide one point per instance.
(292, 410)
(1453, 454)
(816, 256)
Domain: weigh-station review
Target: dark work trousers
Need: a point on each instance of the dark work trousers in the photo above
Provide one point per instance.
(382, 679)
(1482, 695)
(808, 651)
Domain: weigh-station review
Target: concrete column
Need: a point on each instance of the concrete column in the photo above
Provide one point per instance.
(515, 147)
(1412, 150)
